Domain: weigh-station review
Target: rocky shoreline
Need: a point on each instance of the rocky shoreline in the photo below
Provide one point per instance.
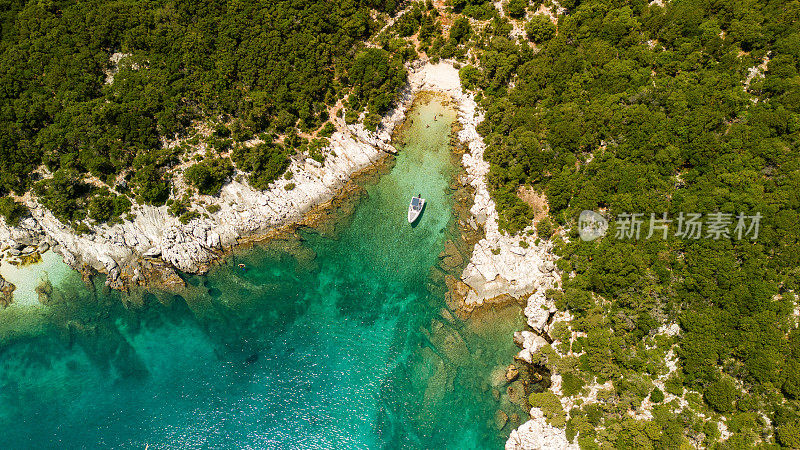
(501, 267)
(521, 267)
(152, 248)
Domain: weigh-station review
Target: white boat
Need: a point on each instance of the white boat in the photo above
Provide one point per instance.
(415, 208)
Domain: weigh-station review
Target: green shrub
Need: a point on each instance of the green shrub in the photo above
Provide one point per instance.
(540, 29)
(188, 216)
(461, 30)
(222, 131)
(674, 384)
(788, 434)
(12, 211)
(208, 176)
(81, 228)
(351, 116)
(657, 396)
(471, 77)
(544, 228)
(107, 207)
(289, 186)
(516, 8)
(721, 395)
(265, 162)
(550, 406)
(179, 206)
(327, 129)
(371, 121)
(150, 185)
(316, 148)
(64, 195)
(377, 79)
(791, 386)
(483, 11)
(571, 383)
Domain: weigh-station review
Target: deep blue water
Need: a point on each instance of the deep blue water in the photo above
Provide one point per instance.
(325, 341)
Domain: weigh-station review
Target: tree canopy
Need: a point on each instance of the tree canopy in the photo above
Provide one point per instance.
(632, 107)
(95, 88)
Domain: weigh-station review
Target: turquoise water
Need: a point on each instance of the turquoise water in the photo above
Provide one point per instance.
(335, 340)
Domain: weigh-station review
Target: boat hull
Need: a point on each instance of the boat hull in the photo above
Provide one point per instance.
(413, 214)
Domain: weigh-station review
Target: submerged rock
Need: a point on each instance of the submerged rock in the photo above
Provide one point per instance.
(516, 393)
(500, 419)
(45, 291)
(450, 258)
(512, 373)
(6, 292)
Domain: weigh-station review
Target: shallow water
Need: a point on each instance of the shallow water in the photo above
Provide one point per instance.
(327, 341)
(50, 268)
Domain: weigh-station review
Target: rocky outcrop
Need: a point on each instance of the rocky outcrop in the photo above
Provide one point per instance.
(537, 434)
(530, 343)
(512, 373)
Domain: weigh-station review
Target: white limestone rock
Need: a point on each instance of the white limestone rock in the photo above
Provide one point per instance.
(530, 343)
(538, 310)
(537, 434)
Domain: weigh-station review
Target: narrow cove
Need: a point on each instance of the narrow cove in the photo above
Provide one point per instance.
(333, 339)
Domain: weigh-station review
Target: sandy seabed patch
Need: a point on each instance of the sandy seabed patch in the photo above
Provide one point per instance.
(26, 278)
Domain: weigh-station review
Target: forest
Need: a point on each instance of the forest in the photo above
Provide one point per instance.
(636, 107)
(80, 130)
(683, 106)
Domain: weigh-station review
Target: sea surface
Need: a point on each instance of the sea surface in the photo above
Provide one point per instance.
(337, 339)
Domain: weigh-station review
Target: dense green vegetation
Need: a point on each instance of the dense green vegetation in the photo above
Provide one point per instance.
(376, 77)
(208, 176)
(540, 29)
(264, 67)
(266, 162)
(11, 210)
(618, 107)
(638, 108)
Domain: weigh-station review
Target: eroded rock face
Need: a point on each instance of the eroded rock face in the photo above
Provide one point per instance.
(538, 310)
(530, 343)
